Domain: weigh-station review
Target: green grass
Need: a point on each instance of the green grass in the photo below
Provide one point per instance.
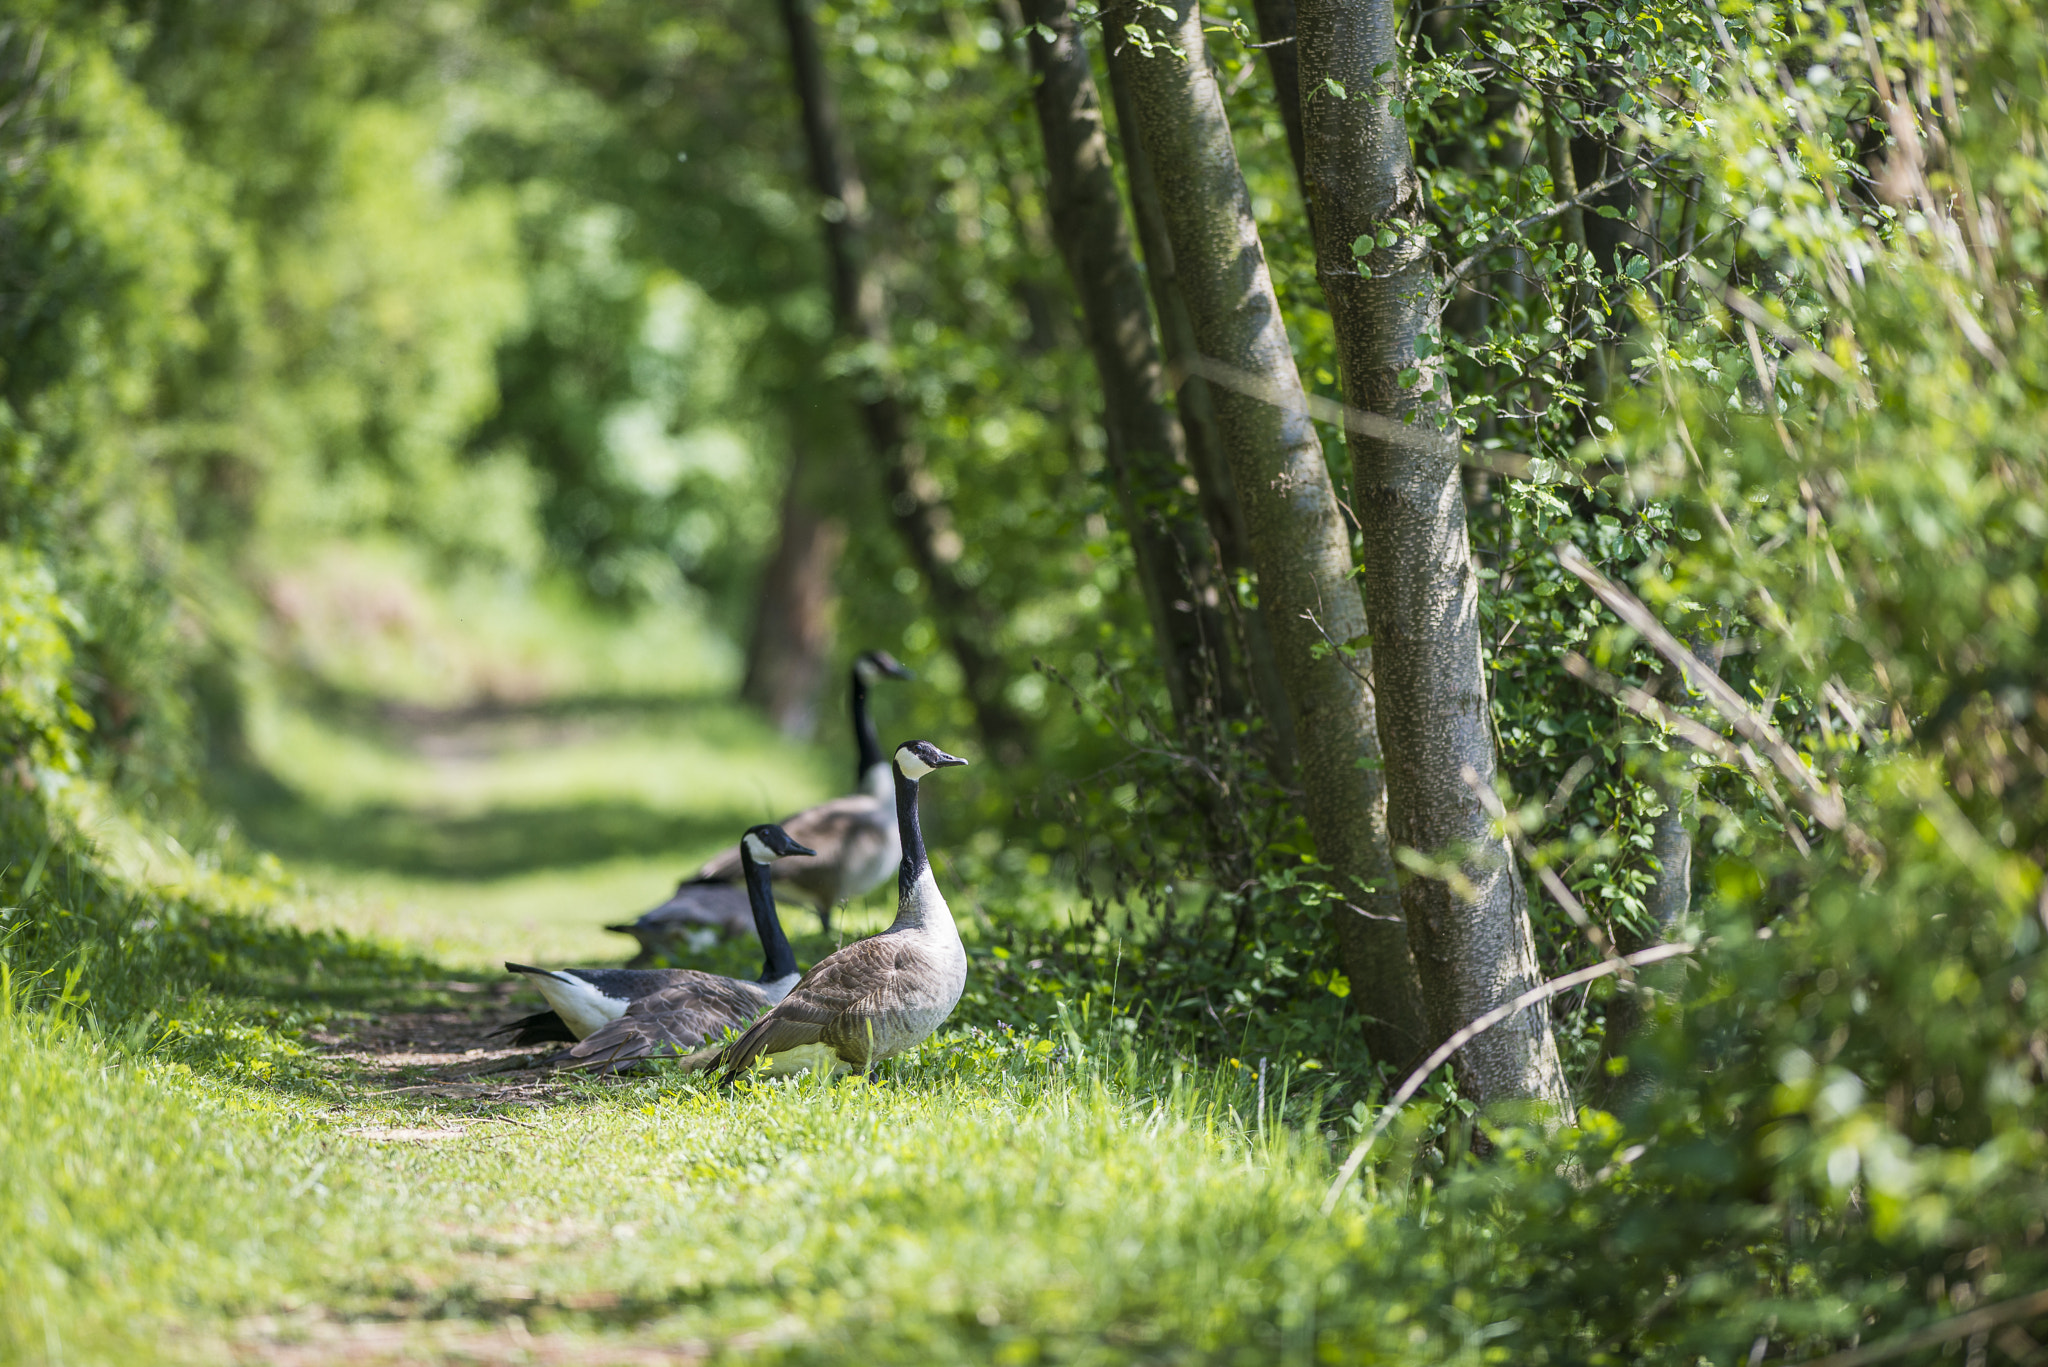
(187, 1179)
(984, 1201)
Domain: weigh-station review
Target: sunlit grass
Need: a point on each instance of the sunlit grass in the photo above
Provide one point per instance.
(1032, 1197)
(1005, 1193)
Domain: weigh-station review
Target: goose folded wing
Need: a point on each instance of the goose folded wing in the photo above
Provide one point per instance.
(670, 1022)
(824, 828)
(830, 1005)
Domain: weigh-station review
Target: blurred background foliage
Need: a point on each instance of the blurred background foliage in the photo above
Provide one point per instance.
(460, 355)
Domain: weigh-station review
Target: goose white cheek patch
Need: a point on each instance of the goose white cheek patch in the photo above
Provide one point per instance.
(913, 768)
(762, 854)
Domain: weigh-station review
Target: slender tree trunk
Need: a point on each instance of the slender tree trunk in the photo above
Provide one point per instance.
(1148, 457)
(1283, 64)
(860, 310)
(1197, 411)
(1670, 898)
(1471, 934)
(792, 631)
(1298, 540)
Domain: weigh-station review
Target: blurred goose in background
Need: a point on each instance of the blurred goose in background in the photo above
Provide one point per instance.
(876, 997)
(583, 1001)
(854, 836)
(693, 1006)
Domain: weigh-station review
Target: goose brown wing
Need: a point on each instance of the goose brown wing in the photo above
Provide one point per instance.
(670, 1022)
(824, 828)
(830, 1005)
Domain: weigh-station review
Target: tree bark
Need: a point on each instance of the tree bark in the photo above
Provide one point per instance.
(1197, 412)
(1283, 63)
(1671, 837)
(1298, 540)
(1146, 451)
(860, 312)
(1471, 934)
(792, 629)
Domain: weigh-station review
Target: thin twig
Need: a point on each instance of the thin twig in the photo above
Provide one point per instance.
(1308, 615)
(1457, 273)
(1534, 996)
(1545, 875)
(1643, 705)
(1640, 702)
(1375, 425)
(1821, 803)
(1947, 1331)
(1779, 329)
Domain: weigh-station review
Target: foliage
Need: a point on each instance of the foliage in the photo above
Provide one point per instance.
(532, 291)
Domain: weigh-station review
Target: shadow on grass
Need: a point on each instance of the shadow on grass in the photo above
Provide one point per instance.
(403, 725)
(497, 844)
(423, 842)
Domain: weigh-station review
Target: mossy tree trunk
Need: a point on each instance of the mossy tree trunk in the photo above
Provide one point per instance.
(1298, 540)
(1197, 412)
(1470, 930)
(1148, 458)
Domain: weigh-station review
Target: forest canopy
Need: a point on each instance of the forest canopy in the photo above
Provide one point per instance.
(1522, 515)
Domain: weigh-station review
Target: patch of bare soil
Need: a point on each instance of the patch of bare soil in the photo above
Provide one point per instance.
(445, 1054)
(318, 1341)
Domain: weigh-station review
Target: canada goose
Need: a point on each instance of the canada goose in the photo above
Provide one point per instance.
(879, 996)
(855, 837)
(586, 1001)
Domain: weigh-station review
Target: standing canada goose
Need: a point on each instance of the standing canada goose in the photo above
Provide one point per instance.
(584, 1001)
(855, 837)
(876, 997)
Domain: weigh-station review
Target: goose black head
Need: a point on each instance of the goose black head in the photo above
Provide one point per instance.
(769, 843)
(879, 664)
(916, 758)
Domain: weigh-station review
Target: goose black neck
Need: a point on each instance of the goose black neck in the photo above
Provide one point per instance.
(869, 745)
(779, 959)
(914, 860)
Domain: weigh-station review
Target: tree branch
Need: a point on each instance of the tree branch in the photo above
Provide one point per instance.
(1457, 273)
(1820, 802)
(1534, 996)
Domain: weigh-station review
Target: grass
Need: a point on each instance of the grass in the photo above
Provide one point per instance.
(982, 1202)
(191, 1176)
(245, 1112)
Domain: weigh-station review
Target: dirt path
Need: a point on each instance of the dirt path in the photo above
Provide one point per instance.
(445, 1054)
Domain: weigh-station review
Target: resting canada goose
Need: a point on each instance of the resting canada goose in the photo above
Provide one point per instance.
(585, 1001)
(855, 837)
(876, 997)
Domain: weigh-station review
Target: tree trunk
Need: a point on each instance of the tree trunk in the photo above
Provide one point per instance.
(792, 632)
(1147, 455)
(1670, 898)
(1283, 63)
(860, 311)
(1298, 540)
(1471, 934)
(1196, 408)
